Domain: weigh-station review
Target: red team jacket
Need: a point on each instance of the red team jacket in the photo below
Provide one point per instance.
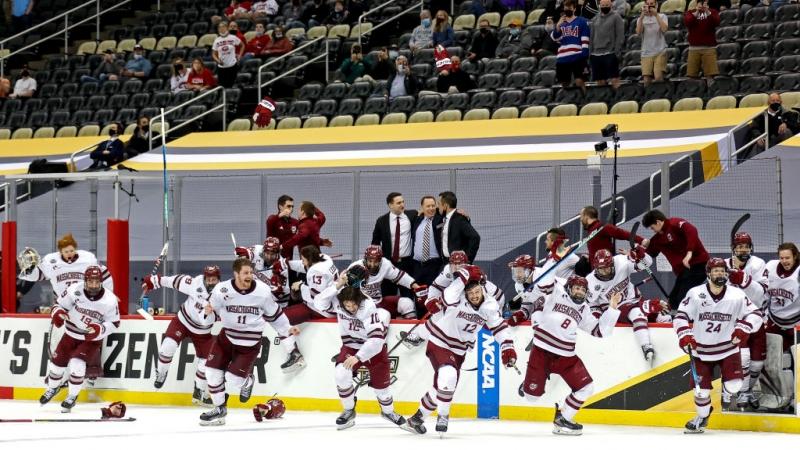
(603, 238)
(257, 44)
(283, 228)
(675, 239)
(307, 232)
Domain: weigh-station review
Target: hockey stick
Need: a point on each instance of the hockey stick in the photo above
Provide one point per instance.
(161, 257)
(233, 239)
(403, 339)
(632, 242)
(738, 225)
(693, 367)
(125, 419)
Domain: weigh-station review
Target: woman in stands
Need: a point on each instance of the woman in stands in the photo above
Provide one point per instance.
(200, 77)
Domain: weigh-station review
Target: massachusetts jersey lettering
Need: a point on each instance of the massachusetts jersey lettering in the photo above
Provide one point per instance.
(244, 314)
(781, 296)
(600, 292)
(82, 311)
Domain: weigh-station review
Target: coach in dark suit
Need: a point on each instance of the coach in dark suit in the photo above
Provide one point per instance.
(426, 235)
(393, 233)
(457, 232)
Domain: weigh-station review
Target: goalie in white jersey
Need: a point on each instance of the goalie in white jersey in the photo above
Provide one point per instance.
(556, 318)
(612, 274)
(746, 271)
(453, 328)
(245, 306)
(191, 322)
(712, 321)
(379, 269)
(90, 312)
(362, 326)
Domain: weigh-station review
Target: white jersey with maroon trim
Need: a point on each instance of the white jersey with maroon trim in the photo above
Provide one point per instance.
(600, 292)
(445, 278)
(264, 272)
(715, 318)
(556, 320)
(387, 271)
(244, 314)
(318, 277)
(83, 310)
(226, 47)
(364, 331)
(756, 288)
(62, 274)
(565, 269)
(191, 313)
(456, 327)
(781, 301)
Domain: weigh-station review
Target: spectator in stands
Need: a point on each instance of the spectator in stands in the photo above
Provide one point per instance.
(339, 15)
(722, 5)
(5, 87)
(293, 14)
(401, 81)
(256, 45)
(25, 87)
(515, 44)
(587, 9)
(573, 35)
(200, 78)
(383, 68)
(282, 225)
(422, 36)
(781, 125)
(607, 41)
(138, 66)
(702, 23)
(21, 17)
(140, 140)
(442, 31)
(454, 79)
(109, 152)
(106, 70)
(180, 76)
(227, 50)
(651, 26)
(679, 242)
(316, 14)
(279, 44)
(484, 43)
(263, 9)
(311, 220)
(236, 10)
(233, 29)
(353, 67)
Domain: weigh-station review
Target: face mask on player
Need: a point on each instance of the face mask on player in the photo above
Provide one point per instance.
(520, 274)
(742, 253)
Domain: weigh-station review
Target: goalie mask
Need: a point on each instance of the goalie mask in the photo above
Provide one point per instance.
(28, 259)
(742, 246)
(211, 276)
(717, 272)
(271, 250)
(603, 265)
(93, 281)
(373, 256)
(577, 287)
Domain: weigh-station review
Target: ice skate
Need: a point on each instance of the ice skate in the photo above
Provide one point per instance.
(214, 417)
(414, 424)
(649, 353)
(395, 418)
(564, 426)
(50, 393)
(346, 419)
(200, 398)
(294, 363)
(698, 424)
(69, 403)
(161, 377)
(247, 388)
(441, 425)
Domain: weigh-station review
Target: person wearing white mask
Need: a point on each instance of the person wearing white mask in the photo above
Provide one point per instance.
(227, 50)
(138, 66)
(422, 36)
(109, 152)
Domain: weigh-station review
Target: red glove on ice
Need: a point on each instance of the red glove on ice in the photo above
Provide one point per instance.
(264, 111)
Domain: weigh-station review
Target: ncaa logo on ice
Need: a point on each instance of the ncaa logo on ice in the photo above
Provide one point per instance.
(488, 382)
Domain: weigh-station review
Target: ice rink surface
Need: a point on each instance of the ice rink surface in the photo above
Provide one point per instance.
(177, 428)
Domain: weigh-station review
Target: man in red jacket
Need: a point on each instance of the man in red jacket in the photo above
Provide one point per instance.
(311, 220)
(679, 242)
(702, 23)
(604, 239)
(282, 225)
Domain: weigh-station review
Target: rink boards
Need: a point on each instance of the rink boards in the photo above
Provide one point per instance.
(627, 390)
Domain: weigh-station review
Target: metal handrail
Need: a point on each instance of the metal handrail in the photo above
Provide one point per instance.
(79, 152)
(578, 217)
(65, 30)
(282, 57)
(387, 21)
(162, 117)
(375, 9)
(4, 187)
(689, 179)
(764, 135)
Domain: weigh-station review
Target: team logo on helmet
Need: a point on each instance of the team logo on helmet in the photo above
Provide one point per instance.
(373, 257)
(458, 257)
(272, 244)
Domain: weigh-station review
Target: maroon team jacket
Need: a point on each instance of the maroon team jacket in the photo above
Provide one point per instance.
(307, 232)
(282, 228)
(604, 237)
(676, 238)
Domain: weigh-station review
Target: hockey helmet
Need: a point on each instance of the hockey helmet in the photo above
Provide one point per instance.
(211, 272)
(717, 263)
(742, 238)
(603, 264)
(576, 281)
(93, 280)
(373, 256)
(270, 250)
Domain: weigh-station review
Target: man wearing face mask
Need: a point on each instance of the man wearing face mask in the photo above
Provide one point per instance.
(422, 36)
(515, 43)
(572, 34)
(138, 66)
(607, 40)
(25, 86)
(109, 152)
(338, 16)
(484, 43)
(138, 143)
(401, 81)
(781, 125)
(279, 44)
(454, 79)
(259, 42)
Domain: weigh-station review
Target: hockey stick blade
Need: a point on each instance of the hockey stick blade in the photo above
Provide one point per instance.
(233, 239)
(124, 419)
(738, 225)
(146, 315)
(632, 237)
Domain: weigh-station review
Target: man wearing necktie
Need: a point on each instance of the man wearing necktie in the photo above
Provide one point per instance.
(426, 232)
(393, 233)
(457, 232)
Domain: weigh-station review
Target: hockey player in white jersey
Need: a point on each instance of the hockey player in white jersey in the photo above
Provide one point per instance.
(379, 269)
(556, 240)
(524, 272)
(453, 328)
(245, 306)
(271, 267)
(62, 268)
(712, 321)
(556, 318)
(191, 322)
(782, 301)
(611, 274)
(746, 271)
(90, 312)
(363, 327)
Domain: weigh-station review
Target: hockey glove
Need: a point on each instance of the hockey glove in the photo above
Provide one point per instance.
(517, 318)
(115, 410)
(653, 306)
(433, 305)
(637, 254)
(687, 341)
(59, 316)
(243, 252)
(421, 293)
(739, 278)
(151, 282)
(509, 357)
(93, 330)
(263, 114)
(739, 337)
